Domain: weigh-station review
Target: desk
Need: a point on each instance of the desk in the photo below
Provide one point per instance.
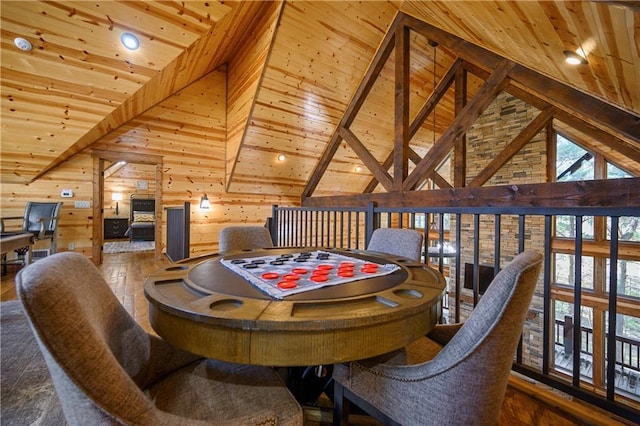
(203, 307)
(10, 241)
(13, 241)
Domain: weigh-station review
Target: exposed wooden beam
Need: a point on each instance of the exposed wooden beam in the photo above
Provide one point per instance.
(626, 147)
(523, 138)
(460, 147)
(461, 123)
(388, 162)
(592, 193)
(625, 125)
(377, 63)
(369, 160)
(441, 182)
(401, 112)
(415, 159)
(203, 56)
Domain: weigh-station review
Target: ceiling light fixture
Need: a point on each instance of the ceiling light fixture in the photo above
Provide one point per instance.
(22, 44)
(358, 169)
(281, 157)
(129, 41)
(574, 58)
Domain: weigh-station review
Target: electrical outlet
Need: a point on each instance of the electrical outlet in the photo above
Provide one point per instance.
(82, 204)
(71, 246)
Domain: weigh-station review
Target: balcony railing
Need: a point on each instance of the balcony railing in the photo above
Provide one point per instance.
(490, 237)
(627, 365)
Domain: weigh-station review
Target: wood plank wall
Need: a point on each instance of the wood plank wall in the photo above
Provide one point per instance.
(189, 131)
(244, 76)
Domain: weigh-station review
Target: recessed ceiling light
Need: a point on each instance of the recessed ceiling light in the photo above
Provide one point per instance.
(573, 58)
(358, 169)
(130, 41)
(281, 157)
(22, 44)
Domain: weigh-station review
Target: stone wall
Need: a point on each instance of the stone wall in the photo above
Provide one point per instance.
(503, 120)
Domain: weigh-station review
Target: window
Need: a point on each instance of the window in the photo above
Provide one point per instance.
(572, 161)
(565, 267)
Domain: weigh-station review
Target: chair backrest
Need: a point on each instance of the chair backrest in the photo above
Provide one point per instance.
(474, 365)
(244, 238)
(97, 354)
(400, 242)
(34, 211)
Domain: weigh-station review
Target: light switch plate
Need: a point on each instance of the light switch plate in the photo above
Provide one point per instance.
(82, 204)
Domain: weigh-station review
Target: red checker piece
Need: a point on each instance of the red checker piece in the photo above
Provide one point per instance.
(319, 278)
(325, 266)
(287, 284)
(345, 273)
(347, 264)
(300, 271)
(320, 272)
(370, 268)
(270, 275)
(291, 277)
(345, 268)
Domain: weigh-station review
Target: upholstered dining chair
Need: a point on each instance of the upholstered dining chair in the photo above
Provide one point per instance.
(107, 370)
(397, 241)
(457, 374)
(244, 238)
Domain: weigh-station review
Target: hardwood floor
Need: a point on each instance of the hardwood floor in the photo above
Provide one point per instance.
(125, 273)
(524, 403)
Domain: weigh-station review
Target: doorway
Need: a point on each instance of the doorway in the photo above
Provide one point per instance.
(101, 161)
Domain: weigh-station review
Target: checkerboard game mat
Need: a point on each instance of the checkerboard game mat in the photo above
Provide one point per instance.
(287, 274)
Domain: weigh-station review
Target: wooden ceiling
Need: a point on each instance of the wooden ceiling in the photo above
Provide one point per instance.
(78, 84)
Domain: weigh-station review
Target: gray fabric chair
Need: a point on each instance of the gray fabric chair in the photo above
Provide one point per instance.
(107, 370)
(400, 242)
(456, 375)
(244, 238)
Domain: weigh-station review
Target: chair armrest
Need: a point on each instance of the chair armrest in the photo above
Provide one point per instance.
(2, 219)
(44, 221)
(442, 333)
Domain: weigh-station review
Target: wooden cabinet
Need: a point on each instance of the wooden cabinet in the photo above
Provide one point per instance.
(115, 227)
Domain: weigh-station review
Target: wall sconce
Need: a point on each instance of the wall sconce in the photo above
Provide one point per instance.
(204, 202)
(116, 196)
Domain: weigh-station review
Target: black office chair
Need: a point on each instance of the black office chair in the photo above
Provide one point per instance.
(40, 219)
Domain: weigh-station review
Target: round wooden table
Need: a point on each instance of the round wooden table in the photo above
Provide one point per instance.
(203, 307)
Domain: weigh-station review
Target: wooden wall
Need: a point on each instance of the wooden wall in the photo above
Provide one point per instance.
(188, 130)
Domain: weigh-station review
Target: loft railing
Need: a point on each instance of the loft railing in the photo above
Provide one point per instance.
(458, 235)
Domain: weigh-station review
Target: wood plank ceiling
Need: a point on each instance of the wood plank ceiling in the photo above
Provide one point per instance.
(78, 84)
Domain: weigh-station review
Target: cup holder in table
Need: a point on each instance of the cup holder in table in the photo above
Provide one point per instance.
(226, 305)
(408, 293)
